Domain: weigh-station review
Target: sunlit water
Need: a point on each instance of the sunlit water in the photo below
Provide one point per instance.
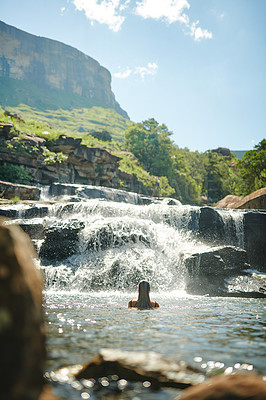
(195, 329)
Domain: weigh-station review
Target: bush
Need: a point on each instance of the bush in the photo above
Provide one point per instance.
(15, 174)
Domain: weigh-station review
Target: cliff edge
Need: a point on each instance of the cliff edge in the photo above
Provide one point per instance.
(48, 64)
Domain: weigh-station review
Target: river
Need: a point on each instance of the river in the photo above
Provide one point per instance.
(208, 332)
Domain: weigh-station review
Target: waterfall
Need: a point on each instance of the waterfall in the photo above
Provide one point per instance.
(118, 245)
(98, 244)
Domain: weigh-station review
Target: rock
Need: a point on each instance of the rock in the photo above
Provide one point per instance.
(255, 200)
(22, 338)
(14, 115)
(252, 284)
(49, 64)
(37, 211)
(5, 129)
(35, 231)
(23, 192)
(208, 271)
(255, 238)
(66, 144)
(32, 140)
(228, 201)
(60, 241)
(140, 367)
(232, 387)
(9, 212)
(211, 225)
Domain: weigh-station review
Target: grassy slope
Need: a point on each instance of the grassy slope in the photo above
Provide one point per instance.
(69, 112)
(128, 162)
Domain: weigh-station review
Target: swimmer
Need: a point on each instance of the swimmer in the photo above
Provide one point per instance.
(144, 300)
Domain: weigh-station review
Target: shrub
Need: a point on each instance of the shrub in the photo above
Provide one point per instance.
(15, 174)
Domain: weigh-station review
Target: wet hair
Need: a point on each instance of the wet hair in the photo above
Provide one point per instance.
(144, 295)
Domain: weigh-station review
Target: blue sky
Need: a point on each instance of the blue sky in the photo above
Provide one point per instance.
(198, 66)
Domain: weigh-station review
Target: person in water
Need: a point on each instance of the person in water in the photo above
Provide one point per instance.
(144, 300)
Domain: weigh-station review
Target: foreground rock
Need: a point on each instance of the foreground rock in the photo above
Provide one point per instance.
(22, 338)
(232, 387)
(113, 373)
(138, 367)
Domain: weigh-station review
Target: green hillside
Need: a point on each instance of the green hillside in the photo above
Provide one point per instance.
(68, 112)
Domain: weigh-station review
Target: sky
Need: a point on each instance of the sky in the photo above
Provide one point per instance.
(198, 66)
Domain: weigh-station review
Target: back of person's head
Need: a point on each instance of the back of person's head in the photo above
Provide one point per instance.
(144, 298)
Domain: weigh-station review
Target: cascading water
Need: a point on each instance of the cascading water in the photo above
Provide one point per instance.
(117, 244)
(98, 238)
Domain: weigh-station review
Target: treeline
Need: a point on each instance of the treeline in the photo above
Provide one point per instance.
(193, 177)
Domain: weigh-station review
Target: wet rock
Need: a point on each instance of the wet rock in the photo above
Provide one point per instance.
(250, 285)
(208, 271)
(255, 238)
(8, 212)
(37, 211)
(22, 338)
(212, 227)
(61, 241)
(35, 231)
(140, 367)
(232, 387)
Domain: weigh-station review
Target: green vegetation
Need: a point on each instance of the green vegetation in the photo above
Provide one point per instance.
(195, 177)
(15, 174)
(149, 154)
(77, 122)
(252, 169)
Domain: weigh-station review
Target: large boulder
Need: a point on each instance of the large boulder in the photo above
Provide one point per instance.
(213, 229)
(255, 200)
(22, 338)
(207, 272)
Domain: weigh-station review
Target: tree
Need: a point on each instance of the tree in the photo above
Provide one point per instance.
(151, 144)
(252, 169)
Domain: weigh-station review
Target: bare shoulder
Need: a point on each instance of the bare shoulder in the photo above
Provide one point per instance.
(132, 303)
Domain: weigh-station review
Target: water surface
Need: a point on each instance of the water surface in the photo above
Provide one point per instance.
(196, 329)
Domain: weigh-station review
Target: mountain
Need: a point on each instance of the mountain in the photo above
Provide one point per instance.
(48, 74)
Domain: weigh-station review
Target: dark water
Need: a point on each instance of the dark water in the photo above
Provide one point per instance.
(200, 330)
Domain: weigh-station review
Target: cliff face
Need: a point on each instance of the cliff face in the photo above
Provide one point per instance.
(47, 63)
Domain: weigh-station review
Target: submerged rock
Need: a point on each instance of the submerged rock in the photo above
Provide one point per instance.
(140, 367)
(22, 338)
